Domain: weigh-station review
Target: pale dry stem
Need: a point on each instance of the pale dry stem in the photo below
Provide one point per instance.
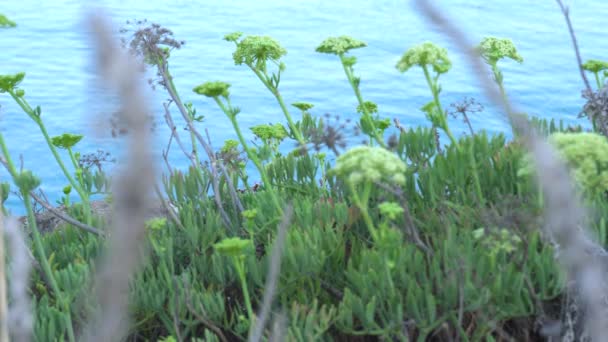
(133, 183)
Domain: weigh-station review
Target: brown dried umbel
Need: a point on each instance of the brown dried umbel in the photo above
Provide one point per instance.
(152, 43)
(329, 134)
(596, 107)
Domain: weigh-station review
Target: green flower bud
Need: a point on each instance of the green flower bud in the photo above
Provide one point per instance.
(370, 106)
(67, 189)
(20, 92)
(229, 145)
(26, 181)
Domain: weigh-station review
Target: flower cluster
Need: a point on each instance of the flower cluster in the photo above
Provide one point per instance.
(370, 164)
(9, 82)
(587, 156)
(213, 89)
(494, 49)
(257, 50)
(339, 45)
(595, 66)
(425, 54)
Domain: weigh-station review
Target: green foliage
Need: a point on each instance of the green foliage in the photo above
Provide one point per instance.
(390, 241)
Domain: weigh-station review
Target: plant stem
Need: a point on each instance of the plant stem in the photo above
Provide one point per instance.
(251, 155)
(367, 115)
(433, 86)
(83, 195)
(241, 272)
(38, 243)
(264, 78)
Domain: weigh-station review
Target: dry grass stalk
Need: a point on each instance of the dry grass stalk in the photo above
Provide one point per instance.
(3, 294)
(131, 192)
(21, 320)
(273, 276)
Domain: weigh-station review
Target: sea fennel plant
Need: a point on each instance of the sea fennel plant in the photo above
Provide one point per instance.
(374, 127)
(10, 84)
(428, 55)
(257, 52)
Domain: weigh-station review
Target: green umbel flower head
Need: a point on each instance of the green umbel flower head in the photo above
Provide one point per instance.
(370, 164)
(257, 50)
(213, 89)
(425, 54)
(303, 106)
(586, 154)
(339, 45)
(267, 132)
(493, 49)
(66, 140)
(9, 82)
(233, 247)
(595, 66)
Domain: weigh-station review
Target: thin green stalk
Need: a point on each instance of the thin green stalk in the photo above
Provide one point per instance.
(433, 87)
(251, 156)
(38, 243)
(475, 174)
(361, 203)
(241, 272)
(83, 195)
(351, 80)
(264, 78)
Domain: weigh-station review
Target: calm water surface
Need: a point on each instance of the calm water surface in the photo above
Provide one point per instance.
(51, 46)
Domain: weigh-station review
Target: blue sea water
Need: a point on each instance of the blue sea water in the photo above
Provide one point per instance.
(52, 46)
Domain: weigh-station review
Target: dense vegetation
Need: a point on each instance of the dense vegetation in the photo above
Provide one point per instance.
(416, 235)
